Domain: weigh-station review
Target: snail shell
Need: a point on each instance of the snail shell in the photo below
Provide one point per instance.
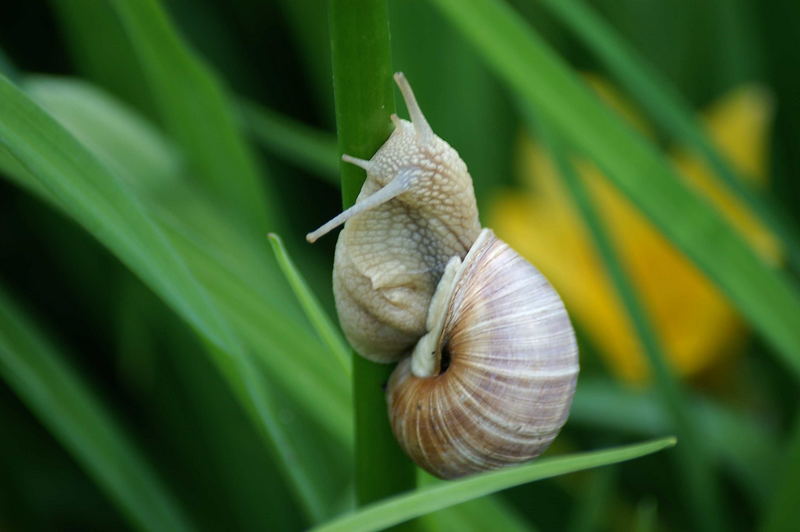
(492, 382)
(415, 211)
(494, 361)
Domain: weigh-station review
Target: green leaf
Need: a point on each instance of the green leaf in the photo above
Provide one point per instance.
(746, 447)
(654, 92)
(781, 512)
(198, 114)
(404, 507)
(320, 321)
(701, 494)
(54, 165)
(119, 137)
(541, 79)
(308, 148)
(36, 371)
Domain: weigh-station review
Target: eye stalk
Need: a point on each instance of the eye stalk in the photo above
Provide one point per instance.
(488, 357)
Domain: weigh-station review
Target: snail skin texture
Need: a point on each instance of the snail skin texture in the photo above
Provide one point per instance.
(415, 211)
(489, 358)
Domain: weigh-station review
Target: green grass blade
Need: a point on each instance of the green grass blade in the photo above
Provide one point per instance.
(362, 87)
(198, 114)
(541, 79)
(36, 371)
(56, 166)
(653, 91)
(745, 447)
(646, 516)
(245, 284)
(320, 321)
(119, 137)
(693, 456)
(781, 512)
(234, 268)
(404, 507)
(101, 52)
(308, 148)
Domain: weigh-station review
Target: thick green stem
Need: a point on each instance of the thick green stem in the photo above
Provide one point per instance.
(362, 84)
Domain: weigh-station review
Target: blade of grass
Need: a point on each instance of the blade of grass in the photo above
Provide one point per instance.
(308, 148)
(592, 506)
(36, 371)
(130, 145)
(319, 320)
(667, 106)
(745, 447)
(541, 79)
(63, 172)
(701, 495)
(363, 97)
(404, 507)
(242, 281)
(6, 66)
(198, 114)
(101, 52)
(646, 516)
(781, 512)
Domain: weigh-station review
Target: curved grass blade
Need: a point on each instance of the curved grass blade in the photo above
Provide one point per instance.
(36, 371)
(401, 508)
(541, 79)
(781, 513)
(121, 138)
(701, 495)
(198, 114)
(311, 306)
(245, 283)
(746, 448)
(311, 149)
(654, 92)
(60, 169)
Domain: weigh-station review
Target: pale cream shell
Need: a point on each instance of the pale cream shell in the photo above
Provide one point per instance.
(512, 371)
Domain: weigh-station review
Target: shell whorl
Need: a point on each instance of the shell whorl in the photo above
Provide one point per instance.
(507, 387)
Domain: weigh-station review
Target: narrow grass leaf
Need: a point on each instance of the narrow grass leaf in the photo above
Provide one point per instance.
(198, 114)
(121, 138)
(308, 148)
(404, 507)
(744, 446)
(695, 467)
(56, 166)
(541, 79)
(666, 105)
(781, 512)
(319, 320)
(242, 281)
(36, 371)
(646, 516)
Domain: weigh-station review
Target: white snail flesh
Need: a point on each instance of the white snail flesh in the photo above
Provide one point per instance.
(415, 211)
(489, 357)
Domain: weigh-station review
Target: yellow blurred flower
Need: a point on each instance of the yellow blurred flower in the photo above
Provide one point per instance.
(695, 324)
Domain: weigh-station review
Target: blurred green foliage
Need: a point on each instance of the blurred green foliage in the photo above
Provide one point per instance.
(153, 356)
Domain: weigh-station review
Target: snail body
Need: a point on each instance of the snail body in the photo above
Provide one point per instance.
(415, 211)
(489, 358)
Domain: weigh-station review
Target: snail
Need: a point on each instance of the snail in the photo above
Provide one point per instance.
(488, 357)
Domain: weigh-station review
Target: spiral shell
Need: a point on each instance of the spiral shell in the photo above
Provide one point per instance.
(491, 384)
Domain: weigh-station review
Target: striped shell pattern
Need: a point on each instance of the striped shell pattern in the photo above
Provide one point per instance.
(506, 389)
